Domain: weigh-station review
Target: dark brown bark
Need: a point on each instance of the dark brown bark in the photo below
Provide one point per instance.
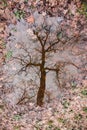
(41, 91)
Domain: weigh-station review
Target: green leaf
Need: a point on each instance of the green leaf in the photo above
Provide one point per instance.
(9, 55)
(73, 84)
(78, 117)
(1, 108)
(83, 9)
(84, 92)
(14, 29)
(50, 122)
(85, 109)
(25, 1)
(61, 120)
(3, 45)
(17, 117)
(19, 14)
(4, 3)
(59, 35)
(66, 104)
(56, 128)
(16, 127)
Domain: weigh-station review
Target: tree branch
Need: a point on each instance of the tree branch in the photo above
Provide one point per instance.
(38, 37)
(52, 69)
(47, 34)
(51, 45)
(33, 64)
(20, 59)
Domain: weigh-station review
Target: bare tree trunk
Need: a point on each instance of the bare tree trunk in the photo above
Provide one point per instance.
(41, 91)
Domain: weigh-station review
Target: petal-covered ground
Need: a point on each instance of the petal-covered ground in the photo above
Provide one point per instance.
(69, 111)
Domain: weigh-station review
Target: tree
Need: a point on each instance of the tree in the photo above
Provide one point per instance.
(49, 42)
(44, 51)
